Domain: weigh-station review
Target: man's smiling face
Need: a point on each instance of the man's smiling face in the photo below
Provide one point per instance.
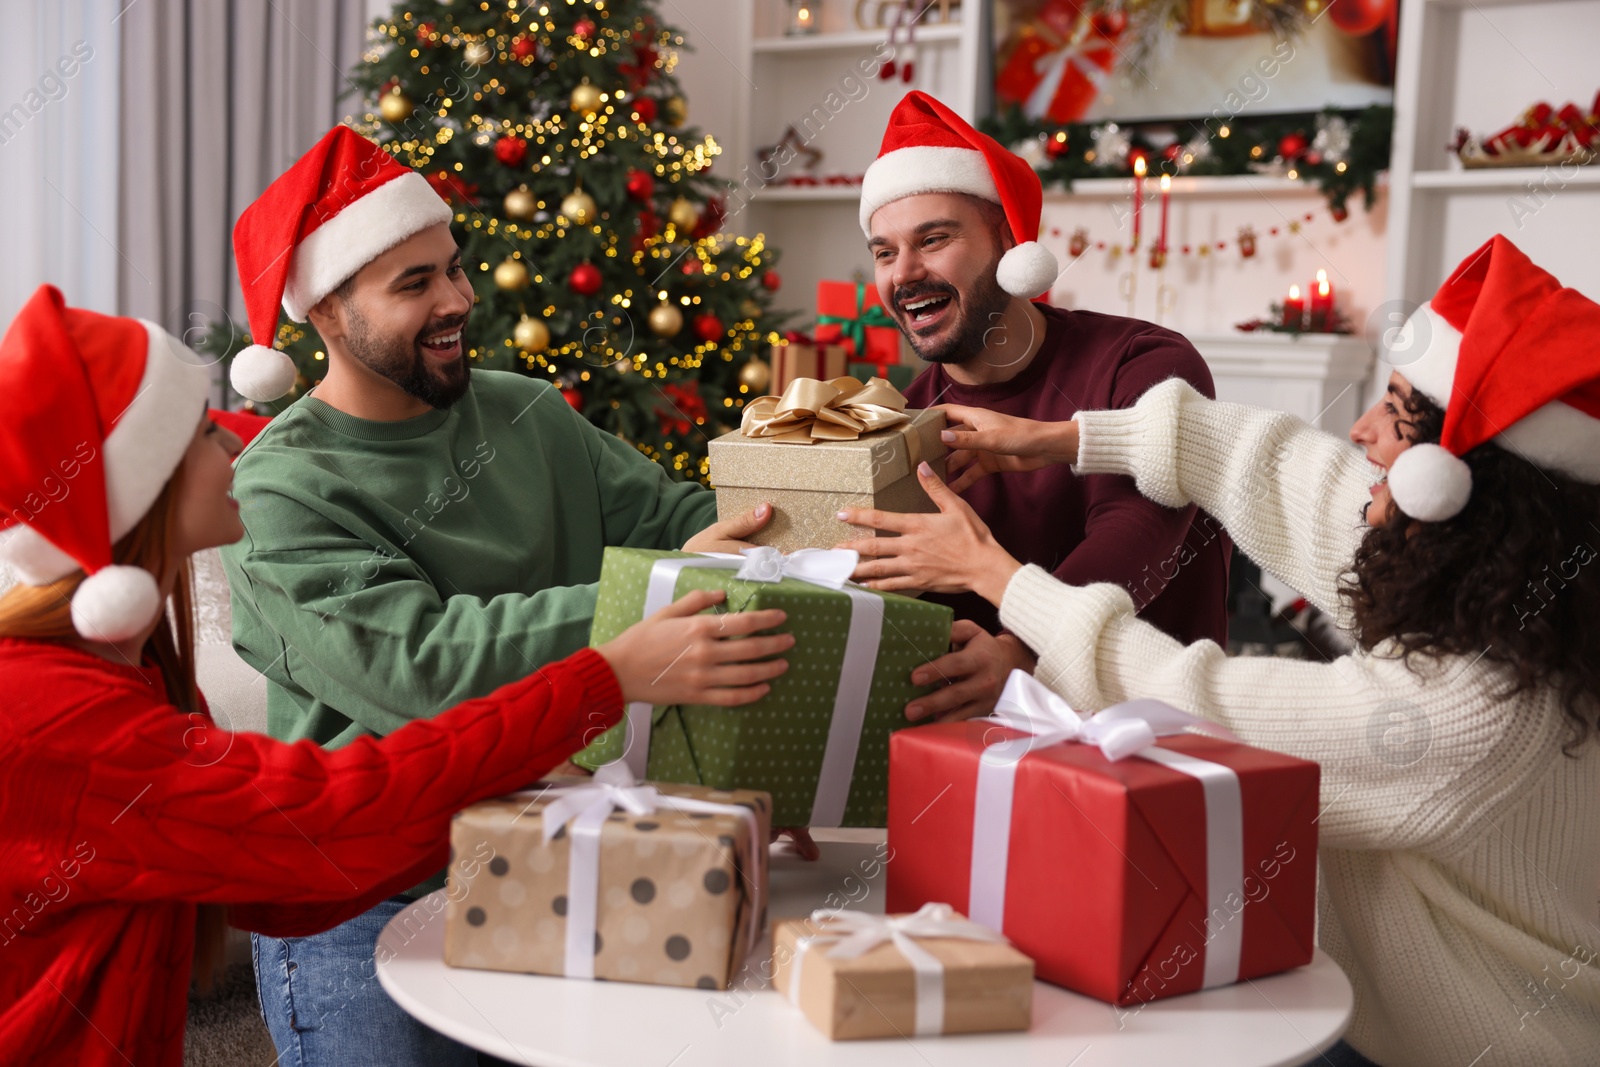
(934, 259)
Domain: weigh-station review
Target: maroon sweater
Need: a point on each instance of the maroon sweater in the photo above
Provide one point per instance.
(1096, 527)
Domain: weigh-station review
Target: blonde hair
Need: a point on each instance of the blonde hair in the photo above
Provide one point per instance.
(44, 613)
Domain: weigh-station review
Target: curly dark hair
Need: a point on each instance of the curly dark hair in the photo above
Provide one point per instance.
(1513, 578)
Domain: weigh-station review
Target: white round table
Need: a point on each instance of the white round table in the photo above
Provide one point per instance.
(553, 1022)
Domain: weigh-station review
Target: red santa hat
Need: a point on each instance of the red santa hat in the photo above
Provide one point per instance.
(341, 205)
(1513, 358)
(96, 413)
(930, 149)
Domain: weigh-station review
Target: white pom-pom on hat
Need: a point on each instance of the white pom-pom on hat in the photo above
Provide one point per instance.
(260, 373)
(1027, 270)
(1430, 483)
(115, 603)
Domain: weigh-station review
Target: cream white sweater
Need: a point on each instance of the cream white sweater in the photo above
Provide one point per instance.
(1460, 850)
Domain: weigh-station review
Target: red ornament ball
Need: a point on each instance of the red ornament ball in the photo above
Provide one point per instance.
(510, 151)
(644, 109)
(584, 28)
(692, 267)
(1291, 145)
(1110, 24)
(1056, 146)
(1339, 212)
(770, 280)
(426, 30)
(523, 47)
(708, 328)
(573, 397)
(641, 185)
(585, 279)
(1359, 17)
(1172, 152)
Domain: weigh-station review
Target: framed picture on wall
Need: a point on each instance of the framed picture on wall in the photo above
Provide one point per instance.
(1067, 61)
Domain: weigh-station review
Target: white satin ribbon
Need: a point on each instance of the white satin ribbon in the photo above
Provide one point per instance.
(1052, 69)
(855, 933)
(830, 568)
(582, 807)
(1120, 731)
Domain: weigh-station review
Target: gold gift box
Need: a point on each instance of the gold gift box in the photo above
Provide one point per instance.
(988, 986)
(677, 897)
(808, 483)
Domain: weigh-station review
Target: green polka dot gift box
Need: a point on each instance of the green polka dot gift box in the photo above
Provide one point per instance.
(819, 741)
(667, 897)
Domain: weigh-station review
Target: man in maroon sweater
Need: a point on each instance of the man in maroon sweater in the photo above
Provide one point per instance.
(951, 219)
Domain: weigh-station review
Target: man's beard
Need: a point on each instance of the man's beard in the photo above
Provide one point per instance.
(980, 311)
(404, 363)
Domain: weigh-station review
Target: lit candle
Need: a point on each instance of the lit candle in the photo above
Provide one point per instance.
(1138, 195)
(1166, 196)
(1294, 310)
(1322, 303)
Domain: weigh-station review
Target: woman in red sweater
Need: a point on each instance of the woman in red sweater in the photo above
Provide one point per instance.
(128, 820)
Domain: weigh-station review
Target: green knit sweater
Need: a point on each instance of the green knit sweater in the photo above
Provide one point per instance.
(390, 570)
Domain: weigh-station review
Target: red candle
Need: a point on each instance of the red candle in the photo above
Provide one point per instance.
(1294, 310)
(1138, 195)
(1166, 196)
(1322, 303)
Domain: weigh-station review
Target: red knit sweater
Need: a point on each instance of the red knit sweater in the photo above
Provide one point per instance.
(118, 814)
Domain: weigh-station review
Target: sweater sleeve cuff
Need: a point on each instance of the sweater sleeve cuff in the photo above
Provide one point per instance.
(1140, 442)
(599, 680)
(1062, 623)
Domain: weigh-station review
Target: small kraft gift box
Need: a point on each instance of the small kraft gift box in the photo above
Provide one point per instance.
(802, 357)
(856, 975)
(610, 878)
(822, 446)
(1131, 860)
(818, 742)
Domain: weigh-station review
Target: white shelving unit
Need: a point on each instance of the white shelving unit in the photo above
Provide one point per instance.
(813, 83)
(1477, 64)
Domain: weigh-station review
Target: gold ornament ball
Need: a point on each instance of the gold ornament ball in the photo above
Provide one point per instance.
(520, 204)
(750, 309)
(665, 320)
(676, 109)
(395, 106)
(531, 334)
(511, 274)
(756, 376)
(683, 215)
(580, 207)
(478, 53)
(586, 98)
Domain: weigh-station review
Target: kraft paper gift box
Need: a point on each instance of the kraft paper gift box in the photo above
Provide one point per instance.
(855, 975)
(1187, 865)
(673, 896)
(802, 359)
(816, 449)
(818, 742)
(853, 315)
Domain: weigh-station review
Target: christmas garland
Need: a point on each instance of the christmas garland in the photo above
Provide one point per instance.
(1340, 152)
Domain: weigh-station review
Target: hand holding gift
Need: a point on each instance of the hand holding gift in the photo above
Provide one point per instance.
(728, 535)
(985, 442)
(679, 656)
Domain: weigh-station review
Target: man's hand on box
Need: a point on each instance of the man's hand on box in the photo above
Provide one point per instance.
(971, 677)
(678, 656)
(799, 840)
(729, 534)
(951, 551)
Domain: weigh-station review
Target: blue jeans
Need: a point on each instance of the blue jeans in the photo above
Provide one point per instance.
(324, 1007)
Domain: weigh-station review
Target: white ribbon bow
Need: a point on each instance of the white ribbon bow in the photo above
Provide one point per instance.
(831, 567)
(1119, 731)
(858, 933)
(582, 807)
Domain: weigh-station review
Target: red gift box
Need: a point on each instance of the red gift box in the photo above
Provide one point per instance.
(852, 315)
(1104, 877)
(1058, 64)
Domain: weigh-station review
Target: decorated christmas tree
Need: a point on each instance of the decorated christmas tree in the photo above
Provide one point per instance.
(587, 218)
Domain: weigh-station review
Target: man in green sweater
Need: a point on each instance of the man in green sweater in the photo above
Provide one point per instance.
(416, 533)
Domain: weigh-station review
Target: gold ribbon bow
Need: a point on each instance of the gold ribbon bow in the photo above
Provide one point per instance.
(809, 411)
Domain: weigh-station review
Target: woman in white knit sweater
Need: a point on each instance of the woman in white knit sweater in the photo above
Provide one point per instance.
(1460, 829)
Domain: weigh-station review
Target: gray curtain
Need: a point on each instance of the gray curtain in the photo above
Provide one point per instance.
(218, 98)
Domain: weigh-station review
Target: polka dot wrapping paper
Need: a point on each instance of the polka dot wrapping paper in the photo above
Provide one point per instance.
(808, 484)
(677, 894)
(777, 744)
